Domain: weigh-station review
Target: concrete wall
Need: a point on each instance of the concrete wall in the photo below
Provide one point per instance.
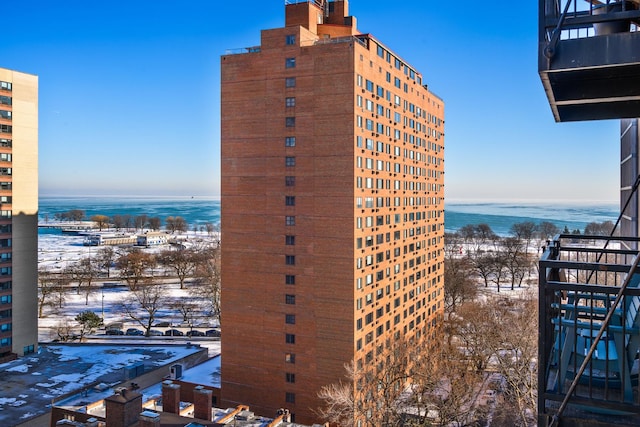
(25, 208)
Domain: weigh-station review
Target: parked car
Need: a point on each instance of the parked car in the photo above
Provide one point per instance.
(195, 333)
(173, 333)
(213, 333)
(114, 332)
(162, 325)
(134, 331)
(155, 333)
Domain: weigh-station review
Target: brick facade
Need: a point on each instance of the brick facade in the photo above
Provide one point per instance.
(333, 242)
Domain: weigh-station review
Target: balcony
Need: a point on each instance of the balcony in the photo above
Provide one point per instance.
(589, 342)
(589, 58)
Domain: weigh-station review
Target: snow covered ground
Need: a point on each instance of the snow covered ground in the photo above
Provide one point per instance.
(28, 385)
(57, 251)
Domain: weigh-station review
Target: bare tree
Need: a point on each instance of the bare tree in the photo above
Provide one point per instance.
(84, 273)
(170, 224)
(102, 221)
(106, 257)
(473, 327)
(118, 221)
(516, 259)
(503, 333)
(411, 379)
(181, 261)
(443, 379)
(129, 221)
(135, 266)
(72, 215)
(140, 221)
(499, 269)
(515, 354)
(177, 223)
(483, 263)
(599, 228)
(546, 231)
(207, 278)
(155, 223)
(47, 290)
(186, 307)
(459, 285)
(143, 302)
(339, 400)
(525, 232)
(64, 331)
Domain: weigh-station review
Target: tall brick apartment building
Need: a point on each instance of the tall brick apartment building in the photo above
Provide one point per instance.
(18, 214)
(332, 207)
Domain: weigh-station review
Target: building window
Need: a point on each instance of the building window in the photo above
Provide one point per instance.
(290, 279)
(290, 397)
(290, 357)
(290, 319)
(368, 319)
(5, 100)
(290, 377)
(5, 85)
(290, 39)
(290, 259)
(6, 128)
(289, 181)
(290, 338)
(290, 102)
(290, 141)
(5, 114)
(290, 200)
(290, 62)
(290, 82)
(28, 349)
(290, 299)
(290, 220)
(290, 240)
(369, 85)
(369, 124)
(289, 161)
(5, 142)
(290, 122)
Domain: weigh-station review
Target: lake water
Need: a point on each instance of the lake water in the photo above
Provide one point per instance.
(499, 216)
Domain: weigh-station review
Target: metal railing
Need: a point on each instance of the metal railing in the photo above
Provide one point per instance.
(241, 50)
(571, 19)
(364, 41)
(589, 307)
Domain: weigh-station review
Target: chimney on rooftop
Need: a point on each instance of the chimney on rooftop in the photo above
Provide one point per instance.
(122, 408)
(170, 397)
(149, 419)
(202, 403)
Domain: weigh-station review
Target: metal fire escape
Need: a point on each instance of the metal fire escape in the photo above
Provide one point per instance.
(589, 58)
(589, 288)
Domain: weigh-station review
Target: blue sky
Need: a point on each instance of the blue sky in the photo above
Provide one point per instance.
(129, 94)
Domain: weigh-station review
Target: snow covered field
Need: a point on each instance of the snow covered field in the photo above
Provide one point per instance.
(56, 251)
(29, 384)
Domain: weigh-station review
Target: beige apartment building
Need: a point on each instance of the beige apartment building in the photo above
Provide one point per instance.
(18, 214)
(332, 208)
